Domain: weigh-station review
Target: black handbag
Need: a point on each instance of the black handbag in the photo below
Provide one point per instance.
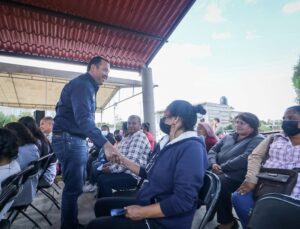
(272, 180)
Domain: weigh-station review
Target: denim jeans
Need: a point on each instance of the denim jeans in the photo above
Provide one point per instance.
(242, 205)
(71, 152)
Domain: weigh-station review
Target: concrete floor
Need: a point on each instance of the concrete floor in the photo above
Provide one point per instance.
(86, 213)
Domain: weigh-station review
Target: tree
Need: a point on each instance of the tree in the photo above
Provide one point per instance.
(4, 119)
(296, 81)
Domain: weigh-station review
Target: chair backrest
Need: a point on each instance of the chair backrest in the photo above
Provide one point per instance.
(275, 211)
(34, 167)
(44, 163)
(8, 193)
(11, 188)
(208, 195)
(18, 178)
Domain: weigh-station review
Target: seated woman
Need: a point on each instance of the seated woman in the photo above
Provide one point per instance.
(8, 164)
(175, 174)
(284, 153)
(27, 152)
(228, 159)
(205, 130)
(44, 149)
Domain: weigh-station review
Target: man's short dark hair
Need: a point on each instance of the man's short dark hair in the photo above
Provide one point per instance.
(96, 61)
(106, 127)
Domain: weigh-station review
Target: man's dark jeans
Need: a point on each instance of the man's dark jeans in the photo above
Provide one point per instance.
(71, 152)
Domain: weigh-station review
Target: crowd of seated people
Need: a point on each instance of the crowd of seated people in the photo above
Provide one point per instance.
(22, 143)
(281, 151)
(168, 200)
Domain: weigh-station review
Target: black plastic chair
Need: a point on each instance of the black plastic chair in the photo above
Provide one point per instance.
(208, 196)
(10, 189)
(275, 211)
(4, 224)
(42, 186)
(33, 169)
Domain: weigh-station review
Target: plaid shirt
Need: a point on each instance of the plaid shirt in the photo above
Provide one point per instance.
(136, 148)
(284, 155)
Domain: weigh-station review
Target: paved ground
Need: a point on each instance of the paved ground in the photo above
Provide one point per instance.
(86, 213)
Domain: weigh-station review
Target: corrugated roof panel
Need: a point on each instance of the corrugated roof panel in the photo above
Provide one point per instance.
(127, 13)
(127, 32)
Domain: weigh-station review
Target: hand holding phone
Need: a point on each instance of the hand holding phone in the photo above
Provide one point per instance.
(117, 212)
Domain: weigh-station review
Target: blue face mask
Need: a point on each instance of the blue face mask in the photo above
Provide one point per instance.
(164, 127)
(290, 127)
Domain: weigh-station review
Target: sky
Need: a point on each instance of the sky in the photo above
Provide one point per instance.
(242, 49)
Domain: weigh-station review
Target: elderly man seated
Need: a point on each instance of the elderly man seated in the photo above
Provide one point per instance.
(136, 147)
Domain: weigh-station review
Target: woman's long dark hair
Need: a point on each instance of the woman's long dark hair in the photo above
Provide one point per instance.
(251, 119)
(22, 132)
(8, 144)
(30, 123)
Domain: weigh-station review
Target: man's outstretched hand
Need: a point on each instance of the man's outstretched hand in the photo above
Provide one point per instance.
(111, 153)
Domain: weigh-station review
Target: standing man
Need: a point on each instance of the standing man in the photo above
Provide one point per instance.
(46, 126)
(73, 123)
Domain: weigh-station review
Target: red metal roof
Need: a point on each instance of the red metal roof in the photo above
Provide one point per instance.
(127, 32)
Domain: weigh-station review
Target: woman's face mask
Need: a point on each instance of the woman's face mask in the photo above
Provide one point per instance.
(166, 128)
(90, 144)
(104, 132)
(290, 127)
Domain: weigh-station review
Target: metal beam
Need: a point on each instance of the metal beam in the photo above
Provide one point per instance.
(63, 74)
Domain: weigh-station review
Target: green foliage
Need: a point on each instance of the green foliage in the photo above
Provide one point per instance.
(4, 119)
(25, 113)
(296, 81)
(229, 127)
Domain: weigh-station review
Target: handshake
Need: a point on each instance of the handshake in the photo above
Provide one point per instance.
(113, 155)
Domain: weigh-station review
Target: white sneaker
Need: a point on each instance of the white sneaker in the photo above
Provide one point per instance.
(86, 188)
(90, 188)
(93, 188)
